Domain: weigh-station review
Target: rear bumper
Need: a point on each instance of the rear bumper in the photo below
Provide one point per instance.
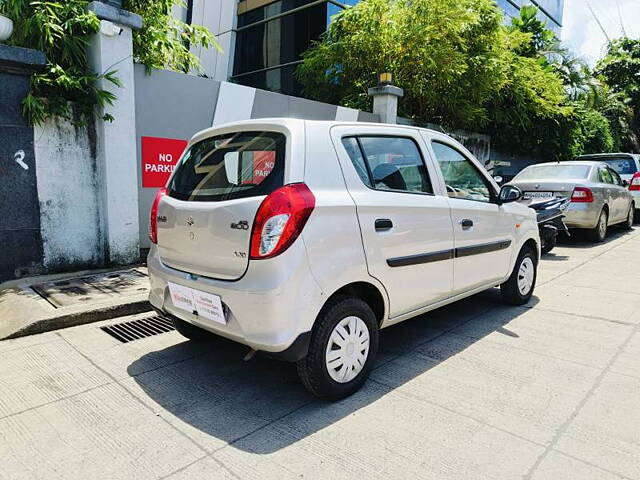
(582, 215)
(636, 197)
(269, 309)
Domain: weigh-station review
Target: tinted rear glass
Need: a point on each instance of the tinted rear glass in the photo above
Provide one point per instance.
(236, 165)
(551, 172)
(624, 166)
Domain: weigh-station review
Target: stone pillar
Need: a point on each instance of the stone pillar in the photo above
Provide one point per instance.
(20, 236)
(112, 49)
(385, 99)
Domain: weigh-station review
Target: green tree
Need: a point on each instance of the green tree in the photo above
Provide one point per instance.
(447, 56)
(457, 63)
(620, 71)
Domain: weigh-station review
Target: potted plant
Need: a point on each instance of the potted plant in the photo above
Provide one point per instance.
(6, 27)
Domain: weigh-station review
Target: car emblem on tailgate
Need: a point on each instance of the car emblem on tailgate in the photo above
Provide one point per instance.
(190, 221)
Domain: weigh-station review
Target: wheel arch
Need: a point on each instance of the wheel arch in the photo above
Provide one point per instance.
(367, 292)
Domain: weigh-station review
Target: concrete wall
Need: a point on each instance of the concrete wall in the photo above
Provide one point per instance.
(69, 192)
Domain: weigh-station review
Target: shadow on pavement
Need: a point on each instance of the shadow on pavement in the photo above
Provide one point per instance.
(580, 238)
(226, 398)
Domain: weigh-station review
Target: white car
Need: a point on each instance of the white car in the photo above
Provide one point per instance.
(301, 239)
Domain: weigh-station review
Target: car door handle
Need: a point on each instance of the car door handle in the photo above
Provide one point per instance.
(466, 223)
(383, 224)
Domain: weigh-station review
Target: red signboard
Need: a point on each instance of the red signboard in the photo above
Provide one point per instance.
(159, 158)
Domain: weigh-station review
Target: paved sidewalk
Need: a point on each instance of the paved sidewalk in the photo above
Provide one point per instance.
(475, 390)
(44, 303)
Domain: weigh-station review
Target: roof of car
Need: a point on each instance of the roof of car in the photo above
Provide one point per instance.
(573, 162)
(606, 155)
(284, 121)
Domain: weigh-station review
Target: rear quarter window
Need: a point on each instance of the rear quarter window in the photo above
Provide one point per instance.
(235, 165)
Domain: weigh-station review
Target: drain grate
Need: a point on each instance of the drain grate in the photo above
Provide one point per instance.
(137, 329)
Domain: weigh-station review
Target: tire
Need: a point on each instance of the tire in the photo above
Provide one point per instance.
(628, 224)
(599, 233)
(313, 370)
(190, 331)
(525, 273)
(550, 245)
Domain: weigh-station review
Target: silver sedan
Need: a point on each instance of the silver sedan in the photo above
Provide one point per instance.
(599, 197)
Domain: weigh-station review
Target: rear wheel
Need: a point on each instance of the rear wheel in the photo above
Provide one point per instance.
(628, 224)
(549, 244)
(343, 347)
(599, 233)
(518, 289)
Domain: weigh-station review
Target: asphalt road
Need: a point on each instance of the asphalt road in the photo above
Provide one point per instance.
(474, 390)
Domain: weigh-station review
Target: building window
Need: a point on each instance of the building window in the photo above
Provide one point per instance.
(270, 40)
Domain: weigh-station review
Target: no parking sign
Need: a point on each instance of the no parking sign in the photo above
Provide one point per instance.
(159, 158)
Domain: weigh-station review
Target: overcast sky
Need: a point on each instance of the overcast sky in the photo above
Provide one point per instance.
(581, 31)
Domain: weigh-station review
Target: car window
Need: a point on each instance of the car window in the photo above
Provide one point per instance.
(389, 163)
(605, 175)
(234, 165)
(462, 178)
(355, 154)
(558, 171)
(624, 166)
(616, 178)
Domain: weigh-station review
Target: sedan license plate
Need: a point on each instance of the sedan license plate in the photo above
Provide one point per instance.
(196, 302)
(532, 195)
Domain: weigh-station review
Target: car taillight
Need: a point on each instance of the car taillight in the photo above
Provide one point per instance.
(280, 219)
(153, 216)
(635, 182)
(582, 195)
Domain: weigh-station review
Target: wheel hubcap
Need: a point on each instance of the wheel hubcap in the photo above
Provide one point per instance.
(603, 225)
(347, 349)
(526, 274)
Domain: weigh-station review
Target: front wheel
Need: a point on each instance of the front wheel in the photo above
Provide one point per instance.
(343, 347)
(518, 289)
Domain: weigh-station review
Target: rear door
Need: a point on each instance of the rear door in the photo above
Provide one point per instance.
(406, 228)
(204, 223)
(483, 231)
(610, 193)
(621, 196)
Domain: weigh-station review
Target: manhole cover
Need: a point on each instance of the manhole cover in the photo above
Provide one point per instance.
(137, 329)
(93, 288)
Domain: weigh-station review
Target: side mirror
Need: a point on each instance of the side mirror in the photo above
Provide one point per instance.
(626, 183)
(498, 179)
(509, 193)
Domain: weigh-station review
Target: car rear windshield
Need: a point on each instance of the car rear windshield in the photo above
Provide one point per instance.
(235, 165)
(624, 166)
(554, 172)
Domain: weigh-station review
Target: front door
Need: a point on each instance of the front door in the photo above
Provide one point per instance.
(483, 231)
(406, 229)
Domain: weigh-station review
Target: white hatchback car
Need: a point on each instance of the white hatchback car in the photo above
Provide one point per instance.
(301, 239)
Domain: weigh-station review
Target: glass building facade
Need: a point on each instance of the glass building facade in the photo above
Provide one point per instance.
(271, 36)
(549, 11)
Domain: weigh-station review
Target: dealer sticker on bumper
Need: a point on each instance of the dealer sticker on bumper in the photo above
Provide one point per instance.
(206, 305)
